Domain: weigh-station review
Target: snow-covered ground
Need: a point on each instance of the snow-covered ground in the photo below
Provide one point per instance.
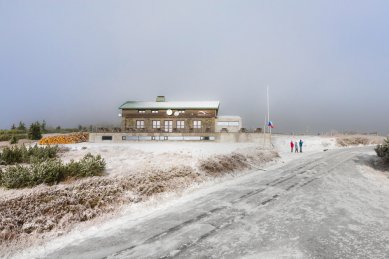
(322, 205)
(135, 157)
(311, 144)
(145, 158)
(136, 172)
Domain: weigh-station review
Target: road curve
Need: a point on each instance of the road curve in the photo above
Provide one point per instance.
(321, 206)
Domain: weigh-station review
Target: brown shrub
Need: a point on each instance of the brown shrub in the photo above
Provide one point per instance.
(346, 141)
(221, 164)
(53, 207)
(61, 206)
(45, 209)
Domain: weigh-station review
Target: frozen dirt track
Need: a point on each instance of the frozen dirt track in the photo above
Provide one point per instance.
(321, 206)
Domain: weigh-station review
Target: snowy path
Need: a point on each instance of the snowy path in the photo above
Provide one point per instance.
(321, 206)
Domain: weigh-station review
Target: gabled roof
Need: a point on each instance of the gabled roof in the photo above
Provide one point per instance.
(132, 105)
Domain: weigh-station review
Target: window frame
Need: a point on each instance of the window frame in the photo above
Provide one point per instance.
(156, 124)
(197, 124)
(140, 124)
(180, 124)
(228, 123)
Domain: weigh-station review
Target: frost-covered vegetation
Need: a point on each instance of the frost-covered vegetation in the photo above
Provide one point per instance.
(356, 140)
(50, 171)
(58, 207)
(36, 165)
(220, 164)
(22, 154)
(383, 150)
(7, 135)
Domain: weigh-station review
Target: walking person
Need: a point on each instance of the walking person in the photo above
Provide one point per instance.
(301, 145)
(291, 146)
(296, 146)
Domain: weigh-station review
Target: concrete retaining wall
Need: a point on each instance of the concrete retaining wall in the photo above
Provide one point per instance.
(240, 137)
(218, 137)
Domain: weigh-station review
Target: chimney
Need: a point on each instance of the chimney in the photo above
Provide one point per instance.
(160, 98)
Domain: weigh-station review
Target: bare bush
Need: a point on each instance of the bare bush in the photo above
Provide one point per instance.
(43, 210)
(221, 164)
(58, 207)
(346, 141)
(383, 151)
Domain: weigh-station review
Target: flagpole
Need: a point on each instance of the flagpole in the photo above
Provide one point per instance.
(268, 111)
(264, 133)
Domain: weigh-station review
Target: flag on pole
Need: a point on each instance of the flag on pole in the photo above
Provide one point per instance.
(270, 124)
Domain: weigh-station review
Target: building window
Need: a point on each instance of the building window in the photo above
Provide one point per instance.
(222, 123)
(154, 111)
(228, 123)
(140, 124)
(168, 126)
(180, 124)
(197, 124)
(106, 138)
(181, 111)
(156, 124)
(141, 111)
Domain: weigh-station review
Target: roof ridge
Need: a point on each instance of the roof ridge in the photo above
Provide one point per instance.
(170, 105)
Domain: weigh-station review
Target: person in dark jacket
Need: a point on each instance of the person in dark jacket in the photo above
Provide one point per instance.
(291, 146)
(301, 145)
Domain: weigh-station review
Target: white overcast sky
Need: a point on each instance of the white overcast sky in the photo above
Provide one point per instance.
(75, 62)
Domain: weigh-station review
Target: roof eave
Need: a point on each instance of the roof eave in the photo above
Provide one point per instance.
(159, 108)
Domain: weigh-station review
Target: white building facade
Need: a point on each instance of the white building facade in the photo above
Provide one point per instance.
(230, 124)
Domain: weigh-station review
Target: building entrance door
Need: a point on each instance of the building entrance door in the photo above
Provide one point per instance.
(168, 126)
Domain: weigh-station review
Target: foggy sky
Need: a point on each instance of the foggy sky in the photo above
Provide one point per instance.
(76, 62)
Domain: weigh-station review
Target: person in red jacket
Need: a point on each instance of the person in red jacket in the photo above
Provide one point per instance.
(291, 146)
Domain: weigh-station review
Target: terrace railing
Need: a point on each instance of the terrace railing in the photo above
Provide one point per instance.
(169, 130)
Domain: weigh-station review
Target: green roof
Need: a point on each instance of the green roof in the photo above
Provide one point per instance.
(133, 105)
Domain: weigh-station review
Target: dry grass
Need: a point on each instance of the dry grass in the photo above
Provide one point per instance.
(356, 140)
(221, 164)
(55, 207)
(60, 207)
(47, 208)
(21, 142)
